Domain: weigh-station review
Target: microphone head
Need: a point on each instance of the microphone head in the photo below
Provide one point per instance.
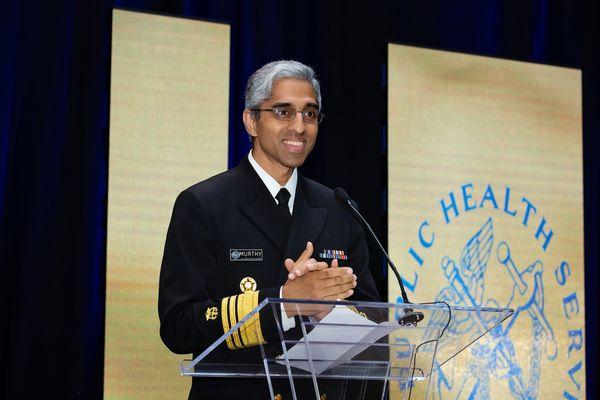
(341, 195)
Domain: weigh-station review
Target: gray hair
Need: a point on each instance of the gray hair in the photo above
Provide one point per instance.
(260, 85)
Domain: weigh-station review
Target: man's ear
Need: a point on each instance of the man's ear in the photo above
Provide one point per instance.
(250, 122)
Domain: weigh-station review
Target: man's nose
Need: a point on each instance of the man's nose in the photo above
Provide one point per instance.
(297, 124)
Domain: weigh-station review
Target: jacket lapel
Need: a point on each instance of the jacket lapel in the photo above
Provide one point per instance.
(259, 206)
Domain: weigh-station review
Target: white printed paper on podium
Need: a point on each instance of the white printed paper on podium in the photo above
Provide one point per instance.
(331, 344)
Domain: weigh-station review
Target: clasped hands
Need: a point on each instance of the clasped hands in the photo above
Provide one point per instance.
(313, 280)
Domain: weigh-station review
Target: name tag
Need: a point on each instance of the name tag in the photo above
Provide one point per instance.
(245, 254)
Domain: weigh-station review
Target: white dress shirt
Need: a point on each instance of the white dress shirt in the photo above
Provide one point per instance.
(274, 187)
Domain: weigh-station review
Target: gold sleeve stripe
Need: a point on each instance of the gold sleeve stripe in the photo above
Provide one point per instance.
(233, 320)
(251, 330)
(225, 321)
(258, 329)
(235, 308)
(241, 306)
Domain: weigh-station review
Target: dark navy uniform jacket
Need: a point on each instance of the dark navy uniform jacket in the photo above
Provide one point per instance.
(199, 294)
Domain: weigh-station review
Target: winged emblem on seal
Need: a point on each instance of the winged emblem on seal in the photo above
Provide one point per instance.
(496, 357)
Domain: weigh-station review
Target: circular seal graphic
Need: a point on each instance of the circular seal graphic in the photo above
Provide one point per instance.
(494, 252)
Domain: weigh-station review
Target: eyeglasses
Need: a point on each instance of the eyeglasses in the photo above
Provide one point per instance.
(310, 115)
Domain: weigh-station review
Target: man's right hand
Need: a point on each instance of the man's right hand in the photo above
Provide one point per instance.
(317, 282)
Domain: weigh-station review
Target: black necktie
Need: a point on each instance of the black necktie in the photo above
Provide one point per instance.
(283, 197)
(283, 217)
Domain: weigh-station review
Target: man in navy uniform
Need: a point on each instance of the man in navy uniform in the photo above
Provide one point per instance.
(259, 230)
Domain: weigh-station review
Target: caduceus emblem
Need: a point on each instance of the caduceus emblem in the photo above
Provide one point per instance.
(496, 357)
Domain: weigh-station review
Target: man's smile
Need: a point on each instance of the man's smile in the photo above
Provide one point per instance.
(294, 145)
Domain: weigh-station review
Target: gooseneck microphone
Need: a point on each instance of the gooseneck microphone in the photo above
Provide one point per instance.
(410, 317)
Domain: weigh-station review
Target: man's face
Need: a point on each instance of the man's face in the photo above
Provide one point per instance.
(279, 146)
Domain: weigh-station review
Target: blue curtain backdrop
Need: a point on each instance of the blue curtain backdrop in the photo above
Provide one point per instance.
(55, 74)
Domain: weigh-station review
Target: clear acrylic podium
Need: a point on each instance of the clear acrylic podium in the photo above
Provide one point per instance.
(357, 343)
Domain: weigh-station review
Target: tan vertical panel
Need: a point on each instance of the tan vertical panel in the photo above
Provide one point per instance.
(168, 130)
(465, 131)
